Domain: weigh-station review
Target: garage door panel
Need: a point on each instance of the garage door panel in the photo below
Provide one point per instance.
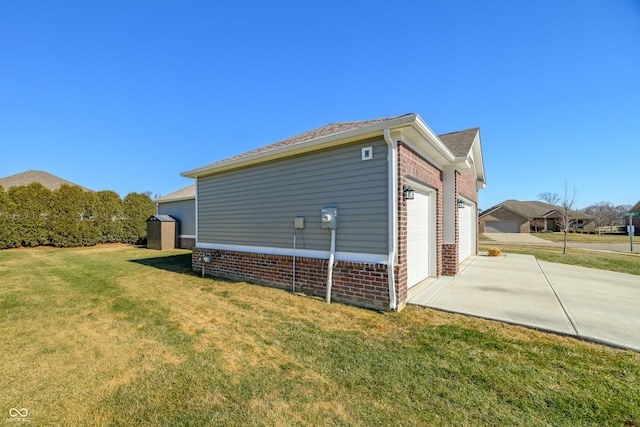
(467, 231)
(418, 239)
(502, 226)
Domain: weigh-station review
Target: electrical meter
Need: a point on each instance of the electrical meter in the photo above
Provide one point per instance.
(329, 218)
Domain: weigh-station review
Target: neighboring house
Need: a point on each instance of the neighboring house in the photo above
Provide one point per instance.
(51, 182)
(181, 205)
(514, 216)
(636, 219)
(360, 212)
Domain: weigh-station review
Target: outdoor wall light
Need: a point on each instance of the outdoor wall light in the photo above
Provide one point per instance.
(408, 193)
(461, 204)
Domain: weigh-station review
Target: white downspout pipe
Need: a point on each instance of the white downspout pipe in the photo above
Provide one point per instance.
(392, 214)
(332, 258)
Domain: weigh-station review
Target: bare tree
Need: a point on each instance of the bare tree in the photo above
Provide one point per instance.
(551, 198)
(566, 213)
(606, 214)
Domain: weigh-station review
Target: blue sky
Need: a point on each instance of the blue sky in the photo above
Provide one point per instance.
(125, 95)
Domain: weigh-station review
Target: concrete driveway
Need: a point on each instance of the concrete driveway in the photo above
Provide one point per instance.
(514, 238)
(597, 305)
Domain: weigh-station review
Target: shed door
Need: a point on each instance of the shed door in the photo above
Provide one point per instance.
(467, 231)
(419, 238)
(502, 227)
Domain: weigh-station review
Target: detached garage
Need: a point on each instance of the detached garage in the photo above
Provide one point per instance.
(392, 186)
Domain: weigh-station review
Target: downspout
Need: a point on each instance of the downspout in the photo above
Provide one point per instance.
(392, 214)
(332, 258)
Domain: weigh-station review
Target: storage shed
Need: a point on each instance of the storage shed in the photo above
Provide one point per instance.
(162, 232)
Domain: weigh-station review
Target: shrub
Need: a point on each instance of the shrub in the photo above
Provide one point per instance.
(494, 252)
(33, 215)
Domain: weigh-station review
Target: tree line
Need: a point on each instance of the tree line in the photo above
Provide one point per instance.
(69, 216)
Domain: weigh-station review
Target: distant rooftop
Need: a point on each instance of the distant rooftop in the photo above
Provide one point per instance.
(185, 193)
(48, 180)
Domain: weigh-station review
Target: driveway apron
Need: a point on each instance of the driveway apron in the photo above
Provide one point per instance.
(593, 304)
(604, 306)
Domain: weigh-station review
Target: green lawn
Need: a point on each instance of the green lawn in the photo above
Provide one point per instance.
(613, 261)
(120, 336)
(588, 238)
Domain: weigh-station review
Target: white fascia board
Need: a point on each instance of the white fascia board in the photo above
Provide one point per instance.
(478, 161)
(176, 199)
(433, 140)
(328, 141)
(461, 163)
(423, 141)
(306, 253)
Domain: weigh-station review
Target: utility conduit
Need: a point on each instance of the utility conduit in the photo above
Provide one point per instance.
(332, 257)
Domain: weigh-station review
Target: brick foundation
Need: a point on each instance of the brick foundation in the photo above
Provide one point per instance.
(356, 283)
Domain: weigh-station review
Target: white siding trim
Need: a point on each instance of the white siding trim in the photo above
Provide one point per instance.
(307, 253)
(187, 236)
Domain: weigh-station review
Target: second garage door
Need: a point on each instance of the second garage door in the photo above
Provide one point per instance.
(502, 227)
(467, 231)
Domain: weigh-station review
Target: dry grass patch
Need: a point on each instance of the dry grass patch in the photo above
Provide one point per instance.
(126, 336)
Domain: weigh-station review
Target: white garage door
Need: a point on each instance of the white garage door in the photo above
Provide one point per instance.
(502, 226)
(467, 231)
(419, 238)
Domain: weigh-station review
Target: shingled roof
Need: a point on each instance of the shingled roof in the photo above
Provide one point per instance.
(48, 180)
(534, 209)
(326, 130)
(452, 147)
(460, 142)
(186, 193)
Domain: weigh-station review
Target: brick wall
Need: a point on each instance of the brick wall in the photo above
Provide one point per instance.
(357, 283)
(412, 166)
(466, 186)
(466, 183)
(450, 259)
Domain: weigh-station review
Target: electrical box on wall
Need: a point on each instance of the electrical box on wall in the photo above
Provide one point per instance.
(329, 218)
(298, 222)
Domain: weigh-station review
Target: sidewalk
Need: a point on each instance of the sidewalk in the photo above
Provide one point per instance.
(596, 305)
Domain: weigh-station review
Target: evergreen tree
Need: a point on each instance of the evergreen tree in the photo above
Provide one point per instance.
(71, 221)
(31, 212)
(108, 215)
(137, 209)
(7, 228)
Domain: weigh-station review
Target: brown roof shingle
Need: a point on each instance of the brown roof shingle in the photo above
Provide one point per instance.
(323, 131)
(460, 142)
(188, 192)
(48, 180)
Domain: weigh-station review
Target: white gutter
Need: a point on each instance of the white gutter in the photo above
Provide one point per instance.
(392, 215)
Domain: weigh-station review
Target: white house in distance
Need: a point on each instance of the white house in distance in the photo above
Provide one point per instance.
(360, 212)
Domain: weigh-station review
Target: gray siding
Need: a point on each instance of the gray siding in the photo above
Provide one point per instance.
(184, 211)
(256, 206)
